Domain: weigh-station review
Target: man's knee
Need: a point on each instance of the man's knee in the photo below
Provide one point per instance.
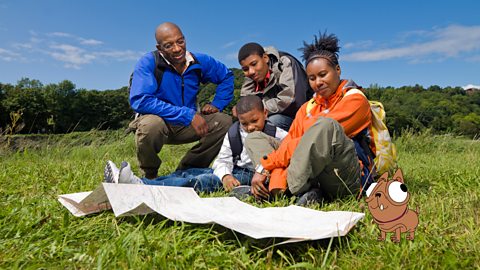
(151, 124)
(222, 121)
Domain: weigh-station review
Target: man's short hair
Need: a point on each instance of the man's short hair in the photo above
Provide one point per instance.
(248, 49)
(249, 103)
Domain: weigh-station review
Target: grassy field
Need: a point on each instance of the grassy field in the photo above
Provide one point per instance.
(441, 172)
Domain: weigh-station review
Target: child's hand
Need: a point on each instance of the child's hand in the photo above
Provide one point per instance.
(229, 182)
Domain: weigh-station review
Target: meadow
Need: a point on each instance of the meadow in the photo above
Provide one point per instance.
(36, 232)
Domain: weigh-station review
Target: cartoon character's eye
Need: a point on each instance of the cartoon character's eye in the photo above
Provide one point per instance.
(397, 191)
(370, 189)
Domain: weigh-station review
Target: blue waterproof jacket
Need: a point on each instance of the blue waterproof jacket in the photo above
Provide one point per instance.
(175, 100)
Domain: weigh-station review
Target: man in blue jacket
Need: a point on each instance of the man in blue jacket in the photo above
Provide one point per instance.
(168, 112)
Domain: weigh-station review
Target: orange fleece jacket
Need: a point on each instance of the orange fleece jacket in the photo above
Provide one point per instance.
(352, 112)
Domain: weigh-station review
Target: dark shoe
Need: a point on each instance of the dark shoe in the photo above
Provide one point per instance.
(312, 196)
(241, 192)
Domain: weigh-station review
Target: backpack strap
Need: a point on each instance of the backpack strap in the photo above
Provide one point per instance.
(354, 91)
(269, 129)
(291, 57)
(298, 68)
(160, 66)
(235, 141)
(235, 138)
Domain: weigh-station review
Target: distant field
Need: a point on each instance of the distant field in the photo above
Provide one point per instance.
(441, 172)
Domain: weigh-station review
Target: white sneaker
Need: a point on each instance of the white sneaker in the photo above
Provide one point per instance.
(126, 175)
(111, 173)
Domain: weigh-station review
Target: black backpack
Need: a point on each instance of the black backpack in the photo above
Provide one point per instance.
(160, 66)
(298, 72)
(310, 92)
(236, 140)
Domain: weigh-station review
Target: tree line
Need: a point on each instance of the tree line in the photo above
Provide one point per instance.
(29, 107)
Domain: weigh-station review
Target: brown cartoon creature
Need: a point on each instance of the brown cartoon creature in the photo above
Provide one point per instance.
(387, 201)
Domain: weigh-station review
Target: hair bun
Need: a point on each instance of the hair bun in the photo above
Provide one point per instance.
(322, 44)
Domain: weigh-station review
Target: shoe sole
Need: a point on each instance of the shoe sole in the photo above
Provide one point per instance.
(108, 174)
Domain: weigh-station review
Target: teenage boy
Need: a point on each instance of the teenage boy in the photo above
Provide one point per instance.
(278, 78)
(230, 169)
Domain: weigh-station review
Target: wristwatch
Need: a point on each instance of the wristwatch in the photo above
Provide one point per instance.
(259, 169)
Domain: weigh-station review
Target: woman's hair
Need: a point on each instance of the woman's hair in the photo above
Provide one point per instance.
(324, 46)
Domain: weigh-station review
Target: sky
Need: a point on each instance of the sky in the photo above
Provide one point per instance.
(96, 43)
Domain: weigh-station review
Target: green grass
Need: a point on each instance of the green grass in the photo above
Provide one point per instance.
(441, 172)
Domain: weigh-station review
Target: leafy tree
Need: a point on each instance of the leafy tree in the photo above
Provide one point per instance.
(61, 108)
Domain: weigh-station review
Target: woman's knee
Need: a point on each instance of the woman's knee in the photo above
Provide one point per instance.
(254, 137)
(326, 123)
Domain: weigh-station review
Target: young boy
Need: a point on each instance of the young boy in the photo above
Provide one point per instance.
(230, 169)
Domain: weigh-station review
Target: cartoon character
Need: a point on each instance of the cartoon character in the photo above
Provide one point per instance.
(387, 201)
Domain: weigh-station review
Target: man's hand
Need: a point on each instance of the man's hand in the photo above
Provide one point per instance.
(234, 111)
(258, 186)
(209, 109)
(229, 182)
(199, 125)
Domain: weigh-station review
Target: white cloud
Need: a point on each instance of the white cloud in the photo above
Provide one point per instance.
(229, 44)
(452, 41)
(475, 58)
(232, 56)
(80, 40)
(120, 55)
(59, 34)
(22, 46)
(71, 50)
(72, 56)
(363, 44)
(468, 86)
(8, 55)
(90, 42)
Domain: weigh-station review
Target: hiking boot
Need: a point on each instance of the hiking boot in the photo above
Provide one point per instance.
(126, 175)
(111, 173)
(312, 196)
(241, 192)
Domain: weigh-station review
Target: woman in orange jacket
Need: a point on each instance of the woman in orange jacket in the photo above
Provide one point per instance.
(318, 158)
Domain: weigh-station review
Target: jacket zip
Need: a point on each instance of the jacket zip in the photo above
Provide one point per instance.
(183, 91)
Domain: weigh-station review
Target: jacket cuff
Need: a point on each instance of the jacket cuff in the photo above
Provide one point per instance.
(267, 163)
(189, 116)
(218, 105)
(221, 172)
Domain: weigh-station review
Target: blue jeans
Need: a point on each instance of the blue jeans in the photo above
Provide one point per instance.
(282, 121)
(200, 179)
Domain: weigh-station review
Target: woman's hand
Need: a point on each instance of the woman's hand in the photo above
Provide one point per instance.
(258, 186)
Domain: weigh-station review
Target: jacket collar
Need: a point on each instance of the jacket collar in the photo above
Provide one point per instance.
(190, 60)
(342, 88)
